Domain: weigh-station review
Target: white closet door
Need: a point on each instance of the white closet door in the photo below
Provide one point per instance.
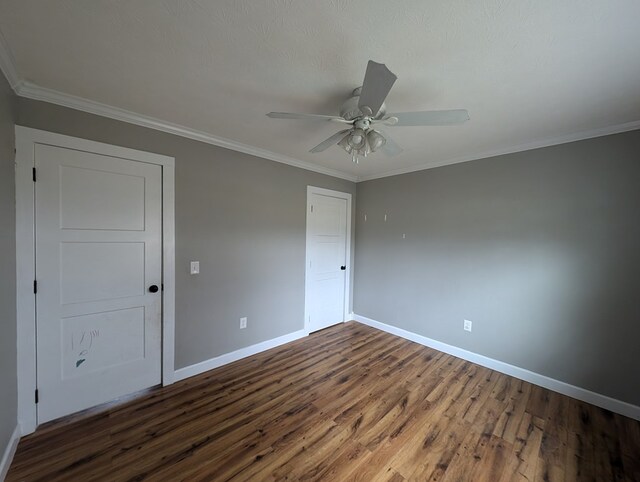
(327, 245)
(98, 271)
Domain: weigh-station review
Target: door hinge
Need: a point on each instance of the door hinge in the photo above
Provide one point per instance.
(34, 174)
(37, 397)
(312, 208)
(35, 286)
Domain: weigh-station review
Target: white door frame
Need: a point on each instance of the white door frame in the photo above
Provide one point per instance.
(26, 139)
(347, 285)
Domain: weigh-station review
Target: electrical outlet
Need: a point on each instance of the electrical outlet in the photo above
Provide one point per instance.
(243, 322)
(467, 325)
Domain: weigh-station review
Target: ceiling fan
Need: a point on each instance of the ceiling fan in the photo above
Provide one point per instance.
(366, 109)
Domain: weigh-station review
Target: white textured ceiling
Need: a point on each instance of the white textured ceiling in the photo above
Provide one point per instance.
(527, 71)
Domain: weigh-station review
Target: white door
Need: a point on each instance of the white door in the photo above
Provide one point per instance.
(98, 263)
(327, 255)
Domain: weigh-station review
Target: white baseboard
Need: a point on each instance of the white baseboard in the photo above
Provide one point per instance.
(221, 360)
(9, 452)
(617, 406)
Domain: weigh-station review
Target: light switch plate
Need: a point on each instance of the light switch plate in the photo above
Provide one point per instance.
(195, 267)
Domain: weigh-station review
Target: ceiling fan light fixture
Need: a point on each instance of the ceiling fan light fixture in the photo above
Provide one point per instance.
(375, 140)
(366, 150)
(344, 143)
(357, 139)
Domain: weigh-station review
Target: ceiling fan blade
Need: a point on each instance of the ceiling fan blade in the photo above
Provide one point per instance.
(291, 115)
(378, 81)
(334, 139)
(390, 148)
(431, 118)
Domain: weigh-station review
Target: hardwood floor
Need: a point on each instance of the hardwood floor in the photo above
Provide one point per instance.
(348, 403)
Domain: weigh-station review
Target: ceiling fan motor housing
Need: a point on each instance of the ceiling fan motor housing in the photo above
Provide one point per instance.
(351, 111)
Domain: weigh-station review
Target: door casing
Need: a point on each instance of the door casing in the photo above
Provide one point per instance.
(26, 139)
(347, 286)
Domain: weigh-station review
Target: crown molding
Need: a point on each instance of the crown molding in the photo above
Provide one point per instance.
(32, 91)
(548, 142)
(35, 92)
(8, 64)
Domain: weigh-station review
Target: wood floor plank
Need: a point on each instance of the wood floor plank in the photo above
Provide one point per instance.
(492, 465)
(350, 403)
(522, 461)
(346, 462)
(468, 457)
(438, 449)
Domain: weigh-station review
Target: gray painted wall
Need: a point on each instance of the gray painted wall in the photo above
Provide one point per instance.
(540, 249)
(8, 384)
(242, 217)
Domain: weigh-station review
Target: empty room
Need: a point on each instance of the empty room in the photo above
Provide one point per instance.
(320, 240)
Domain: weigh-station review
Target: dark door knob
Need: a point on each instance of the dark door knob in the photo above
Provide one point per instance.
(153, 288)
(343, 268)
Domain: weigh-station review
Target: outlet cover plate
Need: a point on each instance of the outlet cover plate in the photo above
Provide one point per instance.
(467, 325)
